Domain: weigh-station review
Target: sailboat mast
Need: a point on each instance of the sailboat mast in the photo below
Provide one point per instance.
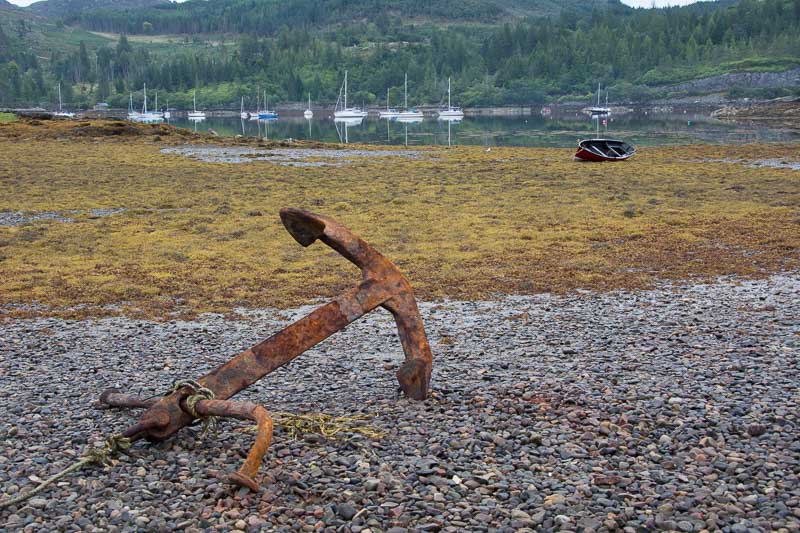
(59, 97)
(345, 90)
(448, 94)
(405, 93)
(387, 99)
(144, 104)
(194, 100)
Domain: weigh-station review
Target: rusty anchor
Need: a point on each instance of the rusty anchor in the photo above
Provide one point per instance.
(382, 285)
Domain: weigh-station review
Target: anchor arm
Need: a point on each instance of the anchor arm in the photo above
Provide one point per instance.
(415, 373)
(115, 398)
(245, 477)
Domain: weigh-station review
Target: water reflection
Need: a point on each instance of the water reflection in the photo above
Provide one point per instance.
(533, 130)
(450, 121)
(343, 125)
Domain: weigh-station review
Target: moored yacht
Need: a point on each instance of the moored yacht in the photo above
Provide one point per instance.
(61, 113)
(195, 114)
(408, 115)
(344, 112)
(450, 113)
(390, 112)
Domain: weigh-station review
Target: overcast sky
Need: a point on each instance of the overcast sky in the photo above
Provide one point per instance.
(634, 3)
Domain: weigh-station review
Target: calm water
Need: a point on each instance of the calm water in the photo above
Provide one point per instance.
(534, 130)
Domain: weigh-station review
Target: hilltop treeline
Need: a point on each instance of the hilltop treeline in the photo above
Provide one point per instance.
(268, 17)
(635, 52)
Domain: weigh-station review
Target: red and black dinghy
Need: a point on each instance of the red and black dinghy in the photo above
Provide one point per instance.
(604, 150)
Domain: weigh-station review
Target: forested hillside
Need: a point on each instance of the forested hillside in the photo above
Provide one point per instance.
(266, 17)
(504, 59)
(71, 9)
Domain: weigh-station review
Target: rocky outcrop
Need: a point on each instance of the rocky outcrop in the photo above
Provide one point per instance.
(781, 111)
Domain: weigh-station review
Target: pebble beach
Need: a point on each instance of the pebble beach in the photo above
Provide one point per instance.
(674, 408)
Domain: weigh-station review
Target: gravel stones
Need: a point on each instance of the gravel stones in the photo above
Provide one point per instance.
(19, 218)
(297, 157)
(517, 434)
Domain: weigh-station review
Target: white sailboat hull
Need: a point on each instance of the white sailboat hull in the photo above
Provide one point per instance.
(410, 115)
(350, 113)
(149, 118)
(349, 121)
(196, 115)
(451, 114)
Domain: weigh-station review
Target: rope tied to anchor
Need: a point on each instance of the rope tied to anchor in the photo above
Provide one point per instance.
(198, 393)
(102, 455)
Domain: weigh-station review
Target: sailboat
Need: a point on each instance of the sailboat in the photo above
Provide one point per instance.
(603, 149)
(345, 112)
(390, 112)
(266, 113)
(195, 114)
(157, 113)
(450, 113)
(408, 115)
(145, 116)
(132, 115)
(61, 112)
(598, 110)
(167, 113)
(254, 114)
(308, 113)
(242, 113)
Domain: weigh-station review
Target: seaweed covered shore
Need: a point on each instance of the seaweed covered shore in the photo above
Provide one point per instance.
(105, 217)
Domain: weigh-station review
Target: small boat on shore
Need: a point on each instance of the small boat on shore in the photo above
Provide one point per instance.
(604, 150)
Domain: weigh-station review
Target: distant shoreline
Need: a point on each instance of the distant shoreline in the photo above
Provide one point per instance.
(778, 109)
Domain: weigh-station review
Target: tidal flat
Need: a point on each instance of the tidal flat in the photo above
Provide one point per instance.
(187, 236)
(615, 346)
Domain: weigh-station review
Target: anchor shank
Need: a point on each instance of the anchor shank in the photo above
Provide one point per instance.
(263, 358)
